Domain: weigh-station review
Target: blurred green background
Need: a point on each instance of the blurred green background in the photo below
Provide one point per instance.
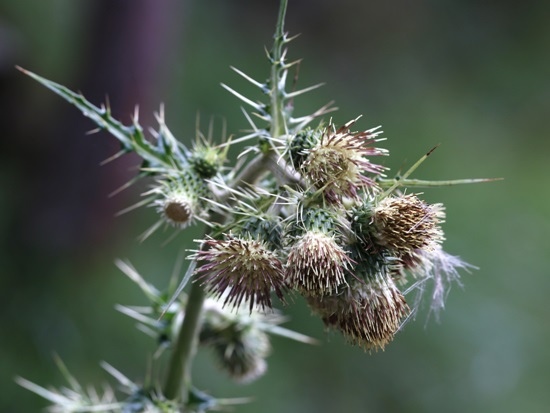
(472, 76)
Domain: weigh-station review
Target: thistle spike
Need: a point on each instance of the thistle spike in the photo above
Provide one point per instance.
(302, 91)
(262, 86)
(131, 137)
(420, 183)
(257, 106)
(409, 172)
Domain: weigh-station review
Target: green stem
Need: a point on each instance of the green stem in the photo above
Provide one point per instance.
(269, 161)
(253, 170)
(178, 380)
(277, 71)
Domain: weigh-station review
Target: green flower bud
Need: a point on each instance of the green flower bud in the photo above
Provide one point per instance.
(265, 228)
(301, 144)
(178, 198)
(207, 160)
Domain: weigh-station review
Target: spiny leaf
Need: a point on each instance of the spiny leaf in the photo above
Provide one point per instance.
(131, 137)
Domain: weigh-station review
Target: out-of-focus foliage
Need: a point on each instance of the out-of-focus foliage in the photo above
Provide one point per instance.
(471, 76)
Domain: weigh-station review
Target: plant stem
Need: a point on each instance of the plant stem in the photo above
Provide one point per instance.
(178, 380)
(253, 170)
(278, 75)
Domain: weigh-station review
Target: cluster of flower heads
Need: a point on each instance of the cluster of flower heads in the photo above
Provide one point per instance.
(312, 213)
(323, 223)
(333, 236)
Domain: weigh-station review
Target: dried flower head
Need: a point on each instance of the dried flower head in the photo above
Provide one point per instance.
(316, 264)
(368, 314)
(241, 269)
(406, 223)
(338, 162)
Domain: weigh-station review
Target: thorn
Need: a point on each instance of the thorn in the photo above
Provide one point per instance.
(93, 131)
(241, 139)
(294, 63)
(198, 135)
(302, 91)
(433, 149)
(150, 230)
(112, 158)
(283, 55)
(125, 186)
(303, 121)
(264, 117)
(352, 122)
(282, 80)
(159, 116)
(254, 82)
(133, 207)
(107, 105)
(289, 39)
(256, 106)
(268, 54)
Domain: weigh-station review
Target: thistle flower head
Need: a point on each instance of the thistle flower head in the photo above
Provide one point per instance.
(367, 314)
(406, 223)
(241, 352)
(266, 228)
(206, 159)
(240, 269)
(316, 264)
(176, 208)
(312, 217)
(238, 338)
(178, 199)
(301, 144)
(338, 162)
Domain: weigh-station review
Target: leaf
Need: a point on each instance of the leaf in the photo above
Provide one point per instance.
(131, 137)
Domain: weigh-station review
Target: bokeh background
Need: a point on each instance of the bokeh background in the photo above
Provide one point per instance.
(471, 76)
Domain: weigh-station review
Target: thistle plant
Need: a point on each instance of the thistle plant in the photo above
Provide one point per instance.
(307, 210)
